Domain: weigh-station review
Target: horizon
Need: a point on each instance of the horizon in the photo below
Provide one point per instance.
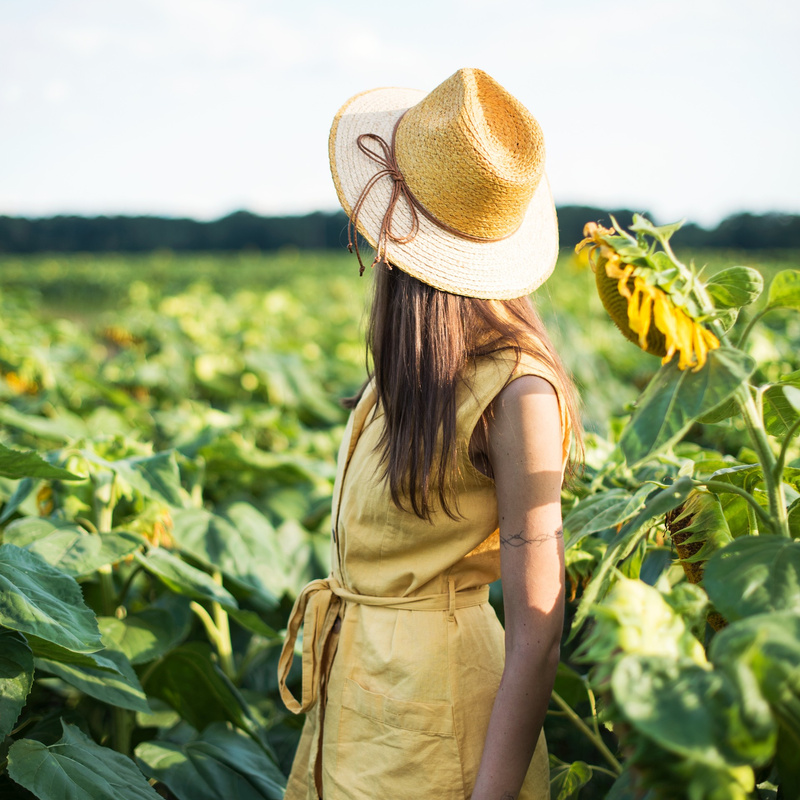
(185, 217)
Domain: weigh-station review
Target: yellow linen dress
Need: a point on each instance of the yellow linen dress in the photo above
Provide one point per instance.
(402, 653)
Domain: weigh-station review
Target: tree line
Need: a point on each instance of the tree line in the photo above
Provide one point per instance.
(244, 230)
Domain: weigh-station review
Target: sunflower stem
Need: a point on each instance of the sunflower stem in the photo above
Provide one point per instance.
(779, 522)
(749, 327)
(105, 499)
(588, 732)
(754, 422)
(781, 460)
(224, 645)
(730, 488)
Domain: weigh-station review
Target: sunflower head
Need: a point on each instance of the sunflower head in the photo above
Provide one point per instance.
(646, 296)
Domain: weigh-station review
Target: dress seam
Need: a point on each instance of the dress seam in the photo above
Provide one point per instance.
(451, 623)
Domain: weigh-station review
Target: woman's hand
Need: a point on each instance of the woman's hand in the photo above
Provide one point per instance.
(525, 451)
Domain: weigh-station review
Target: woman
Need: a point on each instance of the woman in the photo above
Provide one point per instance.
(451, 466)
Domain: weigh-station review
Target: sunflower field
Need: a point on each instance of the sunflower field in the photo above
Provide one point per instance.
(169, 426)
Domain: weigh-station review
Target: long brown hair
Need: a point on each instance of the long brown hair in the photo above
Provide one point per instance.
(419, 340)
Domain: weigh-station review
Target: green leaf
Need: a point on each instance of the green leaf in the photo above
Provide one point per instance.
(784, 291)
(735, 287)
(16, 678)
(156, 476)
(227, 453)
(739, 515)
(24, 488)
(188, 681)
(242, 544)
(69, 547)
(753, 575)
(217, 764)
(764, 651)
(792, 394)
(75, 768)
(603, 510)
(143, 635)
(65, 427)
(690, 603)
(745, 476)
(675, 398)
(779, 413)
(184, 579)
(39, 599)
(703, 521)
(725, 410)
(688, 710)
(636, 618)
(781, 404)
(253, 622)
(769, 791)
(624, 544)
(659, 503)
(161, 716)
(28, 464)
(566, 780)
(793, 512)
(119, 687)
(624, 788)
(661, 232)
(52, 652)
(727, 318)
(657, 560)
(570, 685)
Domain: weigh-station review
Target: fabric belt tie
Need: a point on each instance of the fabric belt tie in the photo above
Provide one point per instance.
(317, 608)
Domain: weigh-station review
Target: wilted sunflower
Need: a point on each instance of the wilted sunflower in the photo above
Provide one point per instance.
(643, 311)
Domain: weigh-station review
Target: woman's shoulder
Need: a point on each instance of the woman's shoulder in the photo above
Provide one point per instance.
(486, 375)
(499, 368)
(495, 372)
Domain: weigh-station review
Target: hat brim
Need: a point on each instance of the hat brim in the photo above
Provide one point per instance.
(494, 270)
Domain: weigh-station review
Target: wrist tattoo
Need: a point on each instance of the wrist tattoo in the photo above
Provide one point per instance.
(518, 540)
(508, 796)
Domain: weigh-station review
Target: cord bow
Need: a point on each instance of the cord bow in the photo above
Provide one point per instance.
(386, 159)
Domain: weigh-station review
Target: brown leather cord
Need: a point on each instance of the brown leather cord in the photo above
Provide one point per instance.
(388, 161)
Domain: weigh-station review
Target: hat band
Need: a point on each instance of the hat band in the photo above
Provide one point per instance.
(387, 160)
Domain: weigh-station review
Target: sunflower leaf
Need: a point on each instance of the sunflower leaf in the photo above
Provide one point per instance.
(28, 464)
(735, 287)
(676, 398)
(661, 232)
(75, 766)
(784, 291)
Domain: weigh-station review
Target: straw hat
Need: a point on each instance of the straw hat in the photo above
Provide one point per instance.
(450, 186)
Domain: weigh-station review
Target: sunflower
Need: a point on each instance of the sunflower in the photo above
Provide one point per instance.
(643, 311)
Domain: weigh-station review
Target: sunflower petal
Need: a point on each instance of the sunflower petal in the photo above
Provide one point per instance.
(664, 315)
(622, 275)
(634, 302)
(685, 327)
(646, 317)
(712, 343)
(700, 348)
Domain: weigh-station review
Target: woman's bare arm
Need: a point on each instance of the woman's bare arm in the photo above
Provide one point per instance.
(524, 449)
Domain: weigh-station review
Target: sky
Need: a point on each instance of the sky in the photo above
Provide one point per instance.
(683, 108)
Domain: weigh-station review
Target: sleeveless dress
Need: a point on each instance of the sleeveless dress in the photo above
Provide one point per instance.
(402, 653)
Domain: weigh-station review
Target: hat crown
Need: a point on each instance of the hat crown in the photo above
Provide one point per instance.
(472, 155)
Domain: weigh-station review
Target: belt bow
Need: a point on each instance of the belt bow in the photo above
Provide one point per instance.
(316, 608)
